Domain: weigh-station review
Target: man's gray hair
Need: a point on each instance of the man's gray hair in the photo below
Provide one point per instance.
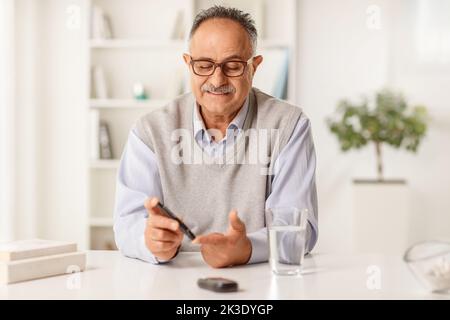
(244, 19)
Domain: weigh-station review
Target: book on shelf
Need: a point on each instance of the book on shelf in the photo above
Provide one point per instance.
(101, 26)
(105, 141)
(99, 86)
(25, 249)
(94, 116)
(35, 258)
(179, 26)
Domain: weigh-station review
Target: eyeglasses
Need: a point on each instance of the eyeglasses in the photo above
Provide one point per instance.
(230, 68)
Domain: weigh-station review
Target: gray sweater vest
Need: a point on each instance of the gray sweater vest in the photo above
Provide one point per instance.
(202, 190)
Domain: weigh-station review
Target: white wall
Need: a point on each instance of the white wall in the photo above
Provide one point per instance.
(6, 114)
(50, 122)
(423, 80)
(27, 118)
(63, 122)
(341, 58)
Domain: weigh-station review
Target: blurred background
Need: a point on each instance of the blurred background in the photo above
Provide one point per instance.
(76, 74)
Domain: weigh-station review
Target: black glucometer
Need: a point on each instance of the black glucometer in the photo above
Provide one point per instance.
(218, 284)
(170, 214)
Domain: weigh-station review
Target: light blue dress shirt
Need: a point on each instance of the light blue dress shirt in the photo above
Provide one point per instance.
(293, 184)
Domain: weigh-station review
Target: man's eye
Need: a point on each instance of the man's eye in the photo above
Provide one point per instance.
(204, 65)
(233, 66)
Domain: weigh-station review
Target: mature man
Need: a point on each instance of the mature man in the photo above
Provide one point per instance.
(194, 155)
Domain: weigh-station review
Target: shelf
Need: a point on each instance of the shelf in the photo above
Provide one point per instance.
(136, 44)
(126, 103)
(105, 164)
(101, 222)
(142, 53)
(170, 44)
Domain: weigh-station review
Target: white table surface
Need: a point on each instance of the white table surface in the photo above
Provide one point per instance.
(109, 275)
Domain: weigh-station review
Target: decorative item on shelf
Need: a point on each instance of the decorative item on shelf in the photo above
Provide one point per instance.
(99, 86)
(110, 245)
(380, 205)
(105, 141)
(101, 27)
(139, 92)
(178, 31)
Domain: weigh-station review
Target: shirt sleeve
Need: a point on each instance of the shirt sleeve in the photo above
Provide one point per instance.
(137, 178)
(293, 185)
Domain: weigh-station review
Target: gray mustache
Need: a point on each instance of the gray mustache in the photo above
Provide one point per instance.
(222, 89)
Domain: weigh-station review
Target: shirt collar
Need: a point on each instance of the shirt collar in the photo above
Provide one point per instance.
(236, 123)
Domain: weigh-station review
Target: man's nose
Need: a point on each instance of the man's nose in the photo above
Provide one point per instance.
(218, 79)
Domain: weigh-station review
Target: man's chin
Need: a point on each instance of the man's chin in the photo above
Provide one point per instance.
(216, 103)
(215, 107)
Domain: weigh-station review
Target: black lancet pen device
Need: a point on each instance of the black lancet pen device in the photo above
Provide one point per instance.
(170, 214)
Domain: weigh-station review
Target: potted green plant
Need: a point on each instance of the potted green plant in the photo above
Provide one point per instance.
(390, 122)
(381, 213)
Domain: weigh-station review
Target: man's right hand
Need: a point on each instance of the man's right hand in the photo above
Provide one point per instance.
(162, 234)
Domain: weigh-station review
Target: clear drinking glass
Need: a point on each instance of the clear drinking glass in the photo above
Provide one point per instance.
(287, 239)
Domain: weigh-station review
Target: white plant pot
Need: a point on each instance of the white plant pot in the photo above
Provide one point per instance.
(381, 216)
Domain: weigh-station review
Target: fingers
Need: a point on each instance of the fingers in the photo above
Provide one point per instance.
(213, 257)
(162, 246)
(163, 235)
(150, 204)
(162, 222)
(236, 224)
(156, 219)
(162, 240)
(212, 238)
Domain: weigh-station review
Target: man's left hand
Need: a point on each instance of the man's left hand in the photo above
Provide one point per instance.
(224, 250)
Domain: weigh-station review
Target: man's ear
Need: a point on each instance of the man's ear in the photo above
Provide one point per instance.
(256, 62)
(186, 58)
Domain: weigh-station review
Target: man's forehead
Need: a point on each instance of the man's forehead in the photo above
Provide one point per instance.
(218, 54)
(220, 39)
(222, 58)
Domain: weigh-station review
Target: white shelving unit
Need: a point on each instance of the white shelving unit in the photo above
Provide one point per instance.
(101, 222)
(143, 50)
(138, 44)
(104, 164)
(126, 103)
